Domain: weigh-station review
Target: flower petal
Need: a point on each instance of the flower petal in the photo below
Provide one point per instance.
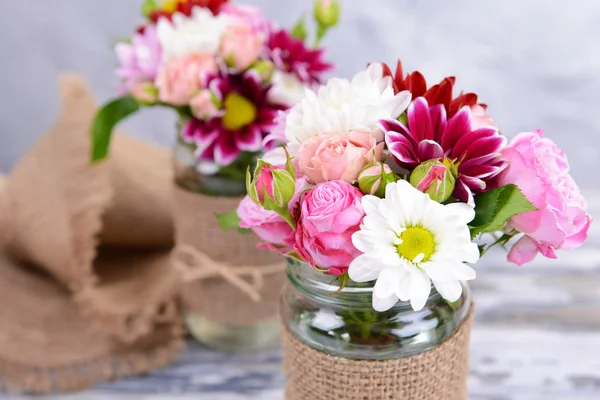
(364, 268)
(523, 251)
(449, 290)
(384, 304)
(420, 288)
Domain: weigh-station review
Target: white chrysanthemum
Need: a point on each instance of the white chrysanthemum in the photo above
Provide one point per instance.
(342, 105)
(409, 241)
(199, 33)
(286, 89)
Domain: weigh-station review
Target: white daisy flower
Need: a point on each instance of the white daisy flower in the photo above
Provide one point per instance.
(409, 241)
(342, 105)
(199, 33)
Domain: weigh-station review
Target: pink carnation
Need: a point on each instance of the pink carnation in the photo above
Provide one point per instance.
(540, 169)
(329, 214)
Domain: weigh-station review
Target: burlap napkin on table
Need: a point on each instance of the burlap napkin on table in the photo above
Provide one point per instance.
(84, 263)
(60, 205)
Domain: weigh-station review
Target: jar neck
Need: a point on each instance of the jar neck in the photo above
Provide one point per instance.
(327, 289)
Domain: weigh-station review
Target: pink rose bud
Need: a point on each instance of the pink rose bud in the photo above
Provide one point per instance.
(374, 178)
(273, 187)
(204, 105)
(145, 93)
(435, 179)
(327, 13)
(242, 45)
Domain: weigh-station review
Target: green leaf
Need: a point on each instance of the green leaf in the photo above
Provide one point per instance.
(497, 206)
(229, 220)
(106, 119)
(299, 30)
(344, 279)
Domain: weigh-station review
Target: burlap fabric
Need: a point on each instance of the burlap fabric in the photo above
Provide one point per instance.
(209, 290)
(58, 205)
(439, 374)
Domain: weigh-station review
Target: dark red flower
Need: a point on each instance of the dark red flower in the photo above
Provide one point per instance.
(440, 93)
(186, 8)
(291, 55)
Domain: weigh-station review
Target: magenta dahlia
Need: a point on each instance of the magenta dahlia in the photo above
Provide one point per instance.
(244, 119)
(291, 55)
(473, 155)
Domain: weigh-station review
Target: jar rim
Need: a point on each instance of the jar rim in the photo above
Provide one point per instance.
(326, 288)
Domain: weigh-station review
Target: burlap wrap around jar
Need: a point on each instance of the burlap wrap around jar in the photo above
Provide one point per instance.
(227, 280)
(88, 292)
(438, 374)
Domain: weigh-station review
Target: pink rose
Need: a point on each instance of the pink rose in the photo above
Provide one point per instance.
(338, 156)
(329, 214)
(479, 119)
(268, 225)
(180, 80)
(540, 169)
(242, 45)
(203, 106)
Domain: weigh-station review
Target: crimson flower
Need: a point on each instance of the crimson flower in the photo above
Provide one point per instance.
(291, 55)
(245, 118)
(474, 156)
(440, 93)
(185, 7)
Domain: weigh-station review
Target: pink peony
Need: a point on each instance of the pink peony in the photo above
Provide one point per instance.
(180, 80)
(540, 169)
(329, 214)
(338, 156)
(479, 119)
(140, 59)
(241, 45)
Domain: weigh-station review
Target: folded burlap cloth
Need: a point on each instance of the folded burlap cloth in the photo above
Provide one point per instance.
(438, 374)
(227, 280)
(104, 231)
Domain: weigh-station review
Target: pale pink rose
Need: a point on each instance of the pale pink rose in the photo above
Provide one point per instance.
(180, 80)
(338, 156)
(329, 214)
(242, 45)
(203, 106)
(540, 169)
(479, 119)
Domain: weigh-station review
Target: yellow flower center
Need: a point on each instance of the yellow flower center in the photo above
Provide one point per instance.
(170, 6)
(239, 112)
(416, 241)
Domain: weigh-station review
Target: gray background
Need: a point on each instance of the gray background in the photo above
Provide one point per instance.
(535, 62)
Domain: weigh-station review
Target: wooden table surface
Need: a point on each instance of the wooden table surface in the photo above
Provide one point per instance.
(536, 337)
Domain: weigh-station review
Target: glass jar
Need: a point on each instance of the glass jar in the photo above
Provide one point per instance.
(345, 324)
(205, 178)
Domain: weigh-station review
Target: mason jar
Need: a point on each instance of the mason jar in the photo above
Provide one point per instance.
(342, 322)
(206, 179)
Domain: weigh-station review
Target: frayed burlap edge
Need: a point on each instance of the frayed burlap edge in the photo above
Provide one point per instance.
(22, 378)
(438, 374)
(87, 195)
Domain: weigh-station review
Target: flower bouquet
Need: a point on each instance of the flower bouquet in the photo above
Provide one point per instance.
(228, 72)
(384, 195)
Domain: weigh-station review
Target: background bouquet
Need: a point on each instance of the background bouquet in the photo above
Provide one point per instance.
(392, 182)
(226, 70)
